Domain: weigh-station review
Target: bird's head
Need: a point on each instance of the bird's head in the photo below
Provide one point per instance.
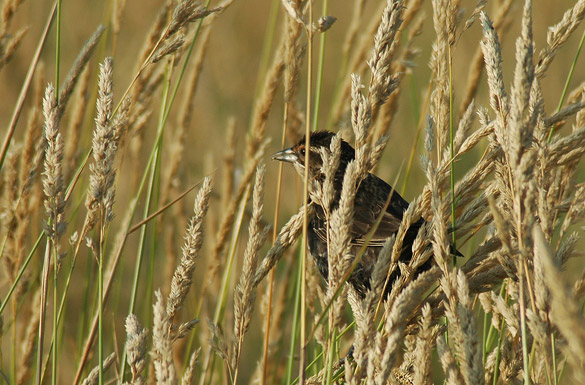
(319, 143)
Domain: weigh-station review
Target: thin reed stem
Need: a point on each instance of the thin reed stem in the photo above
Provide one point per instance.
(422, 118)
(25, 86)
(220, 306)
(329, 371)
(498, 352)
(100, 297)
(320, 68)
(271, 23)
(43, 309)
(567, 82)
(295, 324)
(21, 271)
(303, 328)
(57, 50)
(55, 263)
(55, 336)
(274, 236)
(152, 158)
(554, 357)
(153, 167)
(452, 152)
(523, 330)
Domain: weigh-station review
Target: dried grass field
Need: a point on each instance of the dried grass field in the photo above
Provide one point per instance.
(147, 236)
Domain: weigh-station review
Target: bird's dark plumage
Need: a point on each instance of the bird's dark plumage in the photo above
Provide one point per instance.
(370, 201)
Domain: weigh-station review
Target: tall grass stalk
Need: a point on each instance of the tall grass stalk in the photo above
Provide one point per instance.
(274, 236)
(55, 346)
(152, 161)
(295, 324)
(26, 85)
(320, 69)
(303, 327)
(452, 151)
(152, 170)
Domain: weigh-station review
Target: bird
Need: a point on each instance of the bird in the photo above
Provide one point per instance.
(371, 202)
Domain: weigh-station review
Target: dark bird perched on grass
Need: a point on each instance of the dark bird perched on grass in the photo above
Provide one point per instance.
(370, 200)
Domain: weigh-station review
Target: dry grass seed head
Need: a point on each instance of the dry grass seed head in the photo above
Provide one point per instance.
(28, 344)
(440, 66)
(104, 147)
(77, 68)
(162, 351)
(492, 52)
(245, 294)
(81, 99)
(450, 368)
(187, 378)
(361, 120)
(182, 278)
(365, 333)
(169, 47)
(93, 376)
(135, 345)
(477, 65)
(519, 121)
(330, 167)
(382, 83)
(53, 184)
(341, 221)
(558, 34)
(565, 313)
(286, 237)
(294, 52)
(397, 316)
(424, 347)
(230, 212)
(469, 347)
(9, 43)
(187, 11)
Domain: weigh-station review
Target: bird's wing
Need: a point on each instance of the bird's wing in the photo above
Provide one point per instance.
(370, 205)
(360, 228)
(365, 220)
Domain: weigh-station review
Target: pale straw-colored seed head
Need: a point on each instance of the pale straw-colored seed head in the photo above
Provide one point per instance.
(183, 275)
(93, 376)
(135, 345)
(53, 184)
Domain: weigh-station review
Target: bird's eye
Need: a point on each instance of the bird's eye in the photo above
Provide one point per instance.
(302, 151)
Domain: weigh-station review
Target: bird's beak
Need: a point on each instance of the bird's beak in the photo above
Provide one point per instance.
(286, 155)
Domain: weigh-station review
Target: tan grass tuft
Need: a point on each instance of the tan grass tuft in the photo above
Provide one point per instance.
(382, 83)
(107, 135)
(245, 294)
(77, 68)
(135, 348)
(182, 278)
(93, 376)
(286, 237)
(53, 184)
(162, 351)
(187, 378)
